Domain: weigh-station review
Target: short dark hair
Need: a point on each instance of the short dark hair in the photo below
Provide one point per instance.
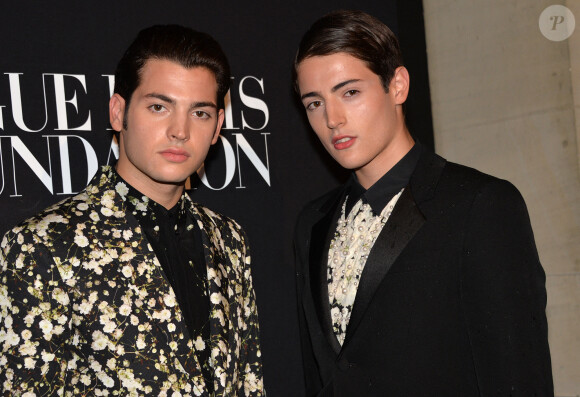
(179, 44)
(355, 33)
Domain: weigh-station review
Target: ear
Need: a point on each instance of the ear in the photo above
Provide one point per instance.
(400, 85)
(218, 127)
(116, 112)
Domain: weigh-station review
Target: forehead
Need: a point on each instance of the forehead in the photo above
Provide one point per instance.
(331, 69)
(169, 75)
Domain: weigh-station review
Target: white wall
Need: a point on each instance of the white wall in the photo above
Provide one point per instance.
(506, 100)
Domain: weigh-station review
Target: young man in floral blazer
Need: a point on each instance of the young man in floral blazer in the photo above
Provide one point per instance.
(130, 288)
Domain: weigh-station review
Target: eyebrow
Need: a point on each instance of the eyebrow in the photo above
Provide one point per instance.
(194, 105)
(333, 89)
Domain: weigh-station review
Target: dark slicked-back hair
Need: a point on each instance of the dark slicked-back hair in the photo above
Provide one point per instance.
(355, 33)
(178, 44)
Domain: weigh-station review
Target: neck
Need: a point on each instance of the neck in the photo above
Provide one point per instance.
(370, 173)
(165, 194)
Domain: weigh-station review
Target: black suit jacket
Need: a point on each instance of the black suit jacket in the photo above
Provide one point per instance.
(451, 301)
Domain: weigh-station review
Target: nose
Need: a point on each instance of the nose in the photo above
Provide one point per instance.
(179, 128)
(334, 115)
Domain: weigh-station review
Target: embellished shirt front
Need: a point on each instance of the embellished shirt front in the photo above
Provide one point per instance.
(355, 236)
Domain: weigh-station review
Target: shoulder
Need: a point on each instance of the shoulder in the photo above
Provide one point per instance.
(50, 223)
(465, 181)
(479, 183)
(71, 211)
(440, 185)
(320, 205)
(211, 219)
(432, 170)
(479, 194)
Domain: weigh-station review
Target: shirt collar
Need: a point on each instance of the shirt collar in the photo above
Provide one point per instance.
(383, 190)
(143, 208)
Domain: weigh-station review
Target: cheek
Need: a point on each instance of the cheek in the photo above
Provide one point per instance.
(362, 112)
(131, 139)
(317, 122)
(138, 142)
(203, 139)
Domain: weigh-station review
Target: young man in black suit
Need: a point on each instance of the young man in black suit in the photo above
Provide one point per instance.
(418, 277)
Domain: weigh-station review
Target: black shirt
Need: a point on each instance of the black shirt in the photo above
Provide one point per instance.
(383, 190)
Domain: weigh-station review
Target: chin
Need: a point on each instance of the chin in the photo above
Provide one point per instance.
(349, 165)
(175, 174)
(172, 178)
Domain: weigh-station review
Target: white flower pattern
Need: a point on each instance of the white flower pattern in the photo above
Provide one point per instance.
(85, 309)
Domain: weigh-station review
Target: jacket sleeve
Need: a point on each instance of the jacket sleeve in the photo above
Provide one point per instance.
(504, 296)
(33, 318)
(251, 381)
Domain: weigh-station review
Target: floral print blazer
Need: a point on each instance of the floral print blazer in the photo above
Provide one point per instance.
(85, 308)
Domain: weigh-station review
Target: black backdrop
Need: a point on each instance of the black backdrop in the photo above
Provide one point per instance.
(56, 62)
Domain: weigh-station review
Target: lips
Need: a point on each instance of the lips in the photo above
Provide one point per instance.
(175, 155)
(343, 142)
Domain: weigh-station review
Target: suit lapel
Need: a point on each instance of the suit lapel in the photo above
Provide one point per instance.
(401, 227)
(219, 294)
(178, 339)
(403, 224)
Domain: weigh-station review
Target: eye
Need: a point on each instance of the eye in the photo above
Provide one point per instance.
(156, 108)
(313, 105)
(351, 93)
(200, 114)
